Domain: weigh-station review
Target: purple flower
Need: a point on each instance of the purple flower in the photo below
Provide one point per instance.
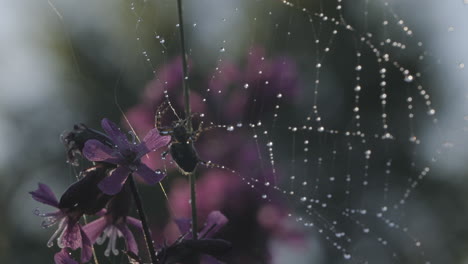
(69, 232)
(63, 257)
(108, 227)
(214, 222)
(114, 223)
(188, 250)
(125, 155)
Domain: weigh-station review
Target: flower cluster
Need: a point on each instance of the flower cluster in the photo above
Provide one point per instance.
(102, 190)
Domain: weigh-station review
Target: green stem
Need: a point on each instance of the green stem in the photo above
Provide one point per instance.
(185, 86)
(193, 202)
(144, 222)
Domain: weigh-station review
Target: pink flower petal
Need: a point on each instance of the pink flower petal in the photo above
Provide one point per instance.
(134, 222)
(71, 237)
(129, 238)
(184, 226)
(94, 229)
(86, 247)
(215, 221)
(113, 184)
(63, 257)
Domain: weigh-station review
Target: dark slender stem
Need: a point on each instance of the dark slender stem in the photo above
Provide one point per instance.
(144, 222)
(185, 85)
(193, 202)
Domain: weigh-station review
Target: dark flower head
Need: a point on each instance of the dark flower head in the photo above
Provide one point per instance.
(125, 155)
(75, 140)
(84, 195)
(113, 224)
(188, 250)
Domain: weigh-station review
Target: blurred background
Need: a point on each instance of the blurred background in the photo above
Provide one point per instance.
(66, 62)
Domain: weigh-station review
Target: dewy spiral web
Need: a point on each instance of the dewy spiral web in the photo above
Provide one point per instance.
(330, 95)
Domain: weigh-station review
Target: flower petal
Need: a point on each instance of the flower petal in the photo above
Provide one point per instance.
(71, 236)
(86, 247)
(63, 257)
(94, 150)
(113, 184)
(152, 141)
(148, 175)
(134, 222)
(184, 225)
(129, 238)
(94, 229)
(44, 195)
(215, 221)
(119, 138)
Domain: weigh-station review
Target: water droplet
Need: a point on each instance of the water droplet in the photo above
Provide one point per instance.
(303, 199)
(267, 183)
(279, 95)
(158, 171)
(230, 128)
(50, 244)
(270, 144)
(246, 85)
(264, 196)
(347, 256)
(358, 68)
(357, 88)
(409, 78)
(222, 49)
(162, 41)
(239, 125)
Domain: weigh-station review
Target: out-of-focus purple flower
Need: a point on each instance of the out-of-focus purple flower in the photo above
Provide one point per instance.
(125, 155)
(113, 224)
(187, 250)
(69, 232)
(63, 257)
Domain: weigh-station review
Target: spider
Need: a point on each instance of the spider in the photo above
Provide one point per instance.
(181, 147)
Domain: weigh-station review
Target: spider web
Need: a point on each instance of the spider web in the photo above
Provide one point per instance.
(341, 131)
